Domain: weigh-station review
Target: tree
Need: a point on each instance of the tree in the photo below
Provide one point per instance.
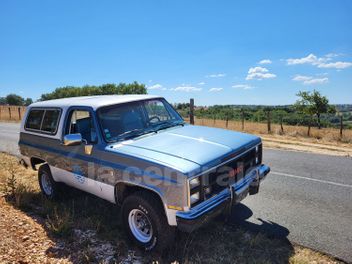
(14, 99)
(313, 104)
(3, 101)
(28, 101)
(105, 89)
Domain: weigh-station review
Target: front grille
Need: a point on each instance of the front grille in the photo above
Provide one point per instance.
(227, 174)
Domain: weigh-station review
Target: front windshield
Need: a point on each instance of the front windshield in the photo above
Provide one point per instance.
(128, 120)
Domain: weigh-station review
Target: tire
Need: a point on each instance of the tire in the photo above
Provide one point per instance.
(148, 209)
(50, 188)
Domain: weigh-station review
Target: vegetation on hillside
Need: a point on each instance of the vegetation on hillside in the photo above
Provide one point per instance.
(104, 89)
(74, 91)
(311, 109)
(14, 99)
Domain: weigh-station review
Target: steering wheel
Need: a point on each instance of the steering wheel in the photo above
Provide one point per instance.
(154, 117)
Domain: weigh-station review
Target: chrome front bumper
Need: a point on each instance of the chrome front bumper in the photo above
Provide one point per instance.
(195, 217)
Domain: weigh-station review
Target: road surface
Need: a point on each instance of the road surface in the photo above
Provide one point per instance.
(306, 198)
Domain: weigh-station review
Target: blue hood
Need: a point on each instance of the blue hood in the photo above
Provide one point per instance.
(184, 147)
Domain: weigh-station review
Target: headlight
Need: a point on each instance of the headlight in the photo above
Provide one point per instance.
(194, 183)
(194, 197)
(256, 160)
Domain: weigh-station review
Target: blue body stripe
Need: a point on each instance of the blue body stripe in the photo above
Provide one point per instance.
(94, 160)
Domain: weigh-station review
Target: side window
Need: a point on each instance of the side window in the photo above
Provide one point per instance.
(50, 121)
(82, 122)
(156, 111)
(34, 119)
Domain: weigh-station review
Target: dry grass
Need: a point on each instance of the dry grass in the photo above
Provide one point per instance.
(85, 229)
(325, 140)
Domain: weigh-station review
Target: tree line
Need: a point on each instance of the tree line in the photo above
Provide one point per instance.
(74, 91)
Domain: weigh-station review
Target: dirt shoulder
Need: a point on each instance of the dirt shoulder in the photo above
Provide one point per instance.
(306, 145)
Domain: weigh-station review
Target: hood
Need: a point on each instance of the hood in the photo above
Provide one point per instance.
(191, 144)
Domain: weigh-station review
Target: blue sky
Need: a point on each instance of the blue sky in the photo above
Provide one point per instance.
(218, 52)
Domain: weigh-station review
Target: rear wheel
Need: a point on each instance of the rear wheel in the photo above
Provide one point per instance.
(48, 186)
(144, 220)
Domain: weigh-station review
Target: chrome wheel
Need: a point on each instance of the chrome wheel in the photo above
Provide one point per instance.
(140, 225)
(46, 184)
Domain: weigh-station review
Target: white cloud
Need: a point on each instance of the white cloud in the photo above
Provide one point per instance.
(259, 73)
(217, 75)
(265, 61)
(242, 86)
(215, 89)
(323, 62)
(156, 87)
(201, 83)
(187, 89)
(336, 65)
(333, 55)
(308, 80)
(310, 59)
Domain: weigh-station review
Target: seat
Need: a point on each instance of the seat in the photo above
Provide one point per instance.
(83, 126)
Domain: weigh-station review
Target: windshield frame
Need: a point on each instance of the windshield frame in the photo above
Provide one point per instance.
(167, 105)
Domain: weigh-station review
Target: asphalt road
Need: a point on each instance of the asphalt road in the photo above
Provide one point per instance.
(306, 198)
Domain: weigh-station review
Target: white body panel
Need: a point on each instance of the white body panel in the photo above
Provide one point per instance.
(100, 189)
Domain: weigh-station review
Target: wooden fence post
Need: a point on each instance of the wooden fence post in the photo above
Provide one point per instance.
(191, 111)
(19, 114)
(214, 120)
(242, 118)
(282, 128)
(10, 113)
(341, 125)
(227, 121)
(269, 121)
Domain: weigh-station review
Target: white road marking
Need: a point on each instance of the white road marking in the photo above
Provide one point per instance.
(311, 179)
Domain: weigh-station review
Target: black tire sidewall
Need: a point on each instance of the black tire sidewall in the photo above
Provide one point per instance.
(136, 203)
(45, 169)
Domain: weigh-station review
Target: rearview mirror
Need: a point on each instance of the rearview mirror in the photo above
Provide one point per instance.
(72, 139)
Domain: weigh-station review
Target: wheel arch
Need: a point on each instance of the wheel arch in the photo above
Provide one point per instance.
(124, 189)
(35, 161)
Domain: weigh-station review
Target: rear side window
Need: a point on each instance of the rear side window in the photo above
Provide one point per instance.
(34, 119)
(43, 120)
(50, 121)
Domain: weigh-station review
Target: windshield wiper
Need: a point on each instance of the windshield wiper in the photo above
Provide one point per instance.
(134, 133)
(169, 124)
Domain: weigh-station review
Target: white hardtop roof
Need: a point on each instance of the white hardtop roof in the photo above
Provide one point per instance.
(93, 101)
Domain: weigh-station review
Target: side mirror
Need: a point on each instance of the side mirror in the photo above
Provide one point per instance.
(72, 139)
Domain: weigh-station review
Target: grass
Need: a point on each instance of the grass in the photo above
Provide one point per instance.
(329, 135)
(97, 220)
(324, 141)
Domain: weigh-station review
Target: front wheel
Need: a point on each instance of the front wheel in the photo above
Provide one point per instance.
(144, 219)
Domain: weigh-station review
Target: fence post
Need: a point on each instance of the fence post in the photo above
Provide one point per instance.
(227, 121)
(191, 111)
(269, 121)
(282, 128)
(10, 113)
(214, 120)
(341, 125)
(19, 114)
(242, 118)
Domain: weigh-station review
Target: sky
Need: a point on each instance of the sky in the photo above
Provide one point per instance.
(217, 52)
